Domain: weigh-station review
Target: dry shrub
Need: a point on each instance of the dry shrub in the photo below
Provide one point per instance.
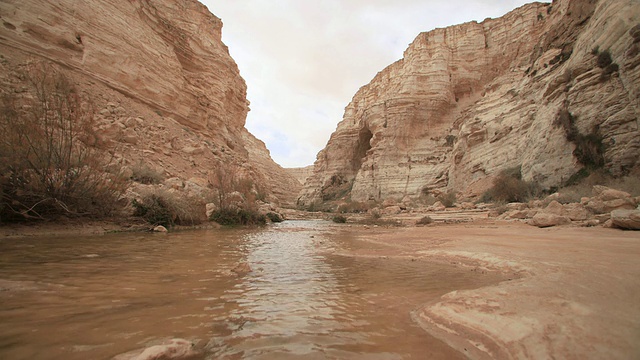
(354, 207)
(162, 207)
(448, 199)
(50, 164)
(425, 220)
(145, 174)
(339, 219)
(231, 217)
(237, 198)
(508, 186)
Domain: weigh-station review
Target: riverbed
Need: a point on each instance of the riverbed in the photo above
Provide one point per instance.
(298, 289)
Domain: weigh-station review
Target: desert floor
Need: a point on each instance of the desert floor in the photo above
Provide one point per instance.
(570, 293)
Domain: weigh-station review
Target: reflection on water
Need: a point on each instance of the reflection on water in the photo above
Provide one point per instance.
(96, 297)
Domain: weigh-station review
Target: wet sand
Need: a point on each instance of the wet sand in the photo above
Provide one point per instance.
(570, 293)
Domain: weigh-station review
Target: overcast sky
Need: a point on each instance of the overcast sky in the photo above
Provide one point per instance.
(303, 60)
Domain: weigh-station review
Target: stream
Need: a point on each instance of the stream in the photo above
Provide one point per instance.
(279, 292)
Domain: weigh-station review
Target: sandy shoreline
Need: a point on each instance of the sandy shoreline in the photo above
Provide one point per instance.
(572, 293)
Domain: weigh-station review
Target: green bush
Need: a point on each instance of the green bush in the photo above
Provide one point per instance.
(339, 219)
(232, 217)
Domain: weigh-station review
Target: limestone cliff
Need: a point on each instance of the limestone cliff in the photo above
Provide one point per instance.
(470, 100)
(167, 91)
(301, 174)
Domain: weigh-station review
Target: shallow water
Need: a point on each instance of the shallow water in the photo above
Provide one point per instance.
(96, 297)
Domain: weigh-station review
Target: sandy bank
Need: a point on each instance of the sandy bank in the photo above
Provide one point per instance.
(574, 293)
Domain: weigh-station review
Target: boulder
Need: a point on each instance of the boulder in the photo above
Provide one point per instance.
(160, 228)
(604, 193)
(175, 349)
(392, 210)
(174, 183)
(576, 212)
(545, 219)
(555, 208)
(626, 219)
(210, 209)
(521, 214)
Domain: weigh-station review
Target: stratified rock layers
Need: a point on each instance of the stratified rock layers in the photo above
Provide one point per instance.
(166, 88)
(470, 100)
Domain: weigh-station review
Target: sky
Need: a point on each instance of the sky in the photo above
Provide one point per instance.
(303, 60)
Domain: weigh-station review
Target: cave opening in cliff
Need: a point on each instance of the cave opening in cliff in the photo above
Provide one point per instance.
(363, 145)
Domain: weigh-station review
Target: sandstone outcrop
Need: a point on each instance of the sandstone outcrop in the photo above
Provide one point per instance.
(468, 101)
(301, 173)
(167, 92)
(626, 219)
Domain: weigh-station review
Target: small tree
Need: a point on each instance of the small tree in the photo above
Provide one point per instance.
(49, 164)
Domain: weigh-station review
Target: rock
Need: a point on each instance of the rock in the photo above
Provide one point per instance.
(427, 123)
(544, 219)
(301, 174)
(576, 212)
(438, 206)
(604, 193)
(517, 206)
(552, 197)
(160, 228)
(130, 136)
(467, 206)
(210, 209)
(174, 183)
(392, 210)
(520, 214)
(175, 349)
(406, 201)
(596, 206)
(626, 219)
(154, 75)
(389, 202)
(590, 223)
(554, 207)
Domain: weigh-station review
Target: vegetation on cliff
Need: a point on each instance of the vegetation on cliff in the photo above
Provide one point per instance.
(52, 163)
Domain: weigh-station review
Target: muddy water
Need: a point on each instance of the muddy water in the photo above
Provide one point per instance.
(96, 297)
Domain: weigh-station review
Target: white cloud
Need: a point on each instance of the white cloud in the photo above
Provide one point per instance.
(303, 60)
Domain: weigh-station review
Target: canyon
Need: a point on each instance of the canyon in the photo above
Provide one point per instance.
(469, 101)
(168, 95)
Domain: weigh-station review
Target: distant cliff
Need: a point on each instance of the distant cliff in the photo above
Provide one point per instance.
(167, 91)
(536, 88)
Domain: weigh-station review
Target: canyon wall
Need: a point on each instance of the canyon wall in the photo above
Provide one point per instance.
(467, 101)
(166, 89)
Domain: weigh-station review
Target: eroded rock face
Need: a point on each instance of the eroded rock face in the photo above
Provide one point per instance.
(167, 91)
(468, 101)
